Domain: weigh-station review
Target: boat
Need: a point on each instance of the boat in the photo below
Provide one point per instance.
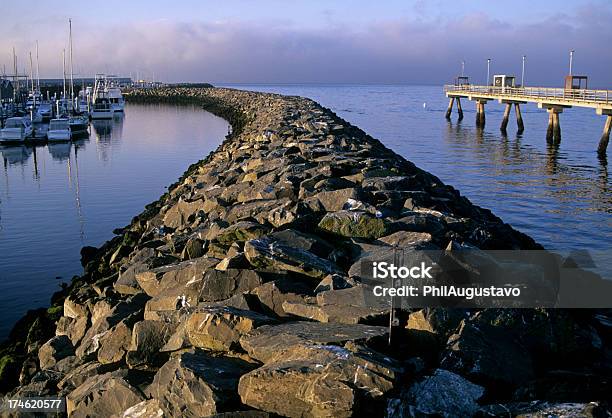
(113, 92)
(59, 130)
(102, 106)
(16, 130)
(78, 123)
(101, 109)
(45, 110)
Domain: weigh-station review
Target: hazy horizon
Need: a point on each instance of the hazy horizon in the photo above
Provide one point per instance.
(316, 42)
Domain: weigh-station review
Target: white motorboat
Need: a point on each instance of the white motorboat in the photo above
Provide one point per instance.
(101, 107)
(59, 130)
(113, 92)
(16, 130)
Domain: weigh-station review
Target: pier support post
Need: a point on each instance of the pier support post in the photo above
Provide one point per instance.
(553, 133)
(549, 130)
(459, 109)
(504, 123)
(519, 118)
(605, 137)
(480, 114)
(556, 128)
(450, 107)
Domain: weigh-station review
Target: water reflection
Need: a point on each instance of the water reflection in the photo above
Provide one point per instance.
(13, 155)
(60, 151)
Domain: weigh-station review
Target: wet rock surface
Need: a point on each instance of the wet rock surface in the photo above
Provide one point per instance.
(239, 293)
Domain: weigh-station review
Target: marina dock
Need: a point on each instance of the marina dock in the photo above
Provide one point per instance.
(554, 100)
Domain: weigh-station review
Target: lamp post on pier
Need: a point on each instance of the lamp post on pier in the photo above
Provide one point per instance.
(523, 73)
(488, 70)
(571, 61)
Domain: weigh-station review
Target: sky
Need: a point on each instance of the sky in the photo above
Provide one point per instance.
(316, 41)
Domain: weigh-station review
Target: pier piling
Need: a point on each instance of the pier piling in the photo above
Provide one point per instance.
(519, 118)
(504, 123)
(450, 108)
(549, 130)
(459, 109)
(605, 137)
(480, 113)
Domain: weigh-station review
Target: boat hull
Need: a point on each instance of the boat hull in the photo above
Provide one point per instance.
(10, 135)
(102, 114)
(59, 136)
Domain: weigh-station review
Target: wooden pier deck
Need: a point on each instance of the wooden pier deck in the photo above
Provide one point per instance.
(554, 100)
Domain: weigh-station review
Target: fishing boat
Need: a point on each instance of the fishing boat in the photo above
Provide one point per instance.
(59, 130)
(102, 106)
(113, 92)
(16, 130)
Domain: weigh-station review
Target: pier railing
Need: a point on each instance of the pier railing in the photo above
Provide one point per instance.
(584, 96)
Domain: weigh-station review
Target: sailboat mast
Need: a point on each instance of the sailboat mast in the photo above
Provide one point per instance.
(71, 69)
(31, 72)
(37, 69)
(64, 69)
(15, 78)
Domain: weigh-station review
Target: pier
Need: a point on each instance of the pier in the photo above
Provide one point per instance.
(554, 100)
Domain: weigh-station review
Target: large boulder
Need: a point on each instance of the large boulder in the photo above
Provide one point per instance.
(442, 394)
(271, 341)
(274, 254)
(321, 380)
(354, 224)
(215, 328)
(148, 337)
(197, 383)
(102, 396)
(54, 350)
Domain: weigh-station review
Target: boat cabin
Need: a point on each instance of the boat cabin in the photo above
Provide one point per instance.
(576, 82)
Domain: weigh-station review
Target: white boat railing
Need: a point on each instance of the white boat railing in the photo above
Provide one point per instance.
(535, 93)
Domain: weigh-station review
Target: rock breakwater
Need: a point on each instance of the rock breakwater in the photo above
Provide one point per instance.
(239, 291)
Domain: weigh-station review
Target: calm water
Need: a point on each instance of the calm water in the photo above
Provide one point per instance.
(56, 198)
(561, 197)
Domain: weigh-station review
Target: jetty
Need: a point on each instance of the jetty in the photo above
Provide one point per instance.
(242, 292)
(554, 100)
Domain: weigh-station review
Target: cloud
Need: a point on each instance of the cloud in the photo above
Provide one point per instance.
(390, 51)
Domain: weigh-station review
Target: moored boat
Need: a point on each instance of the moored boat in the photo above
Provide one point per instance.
(16, 129)
(59, 130)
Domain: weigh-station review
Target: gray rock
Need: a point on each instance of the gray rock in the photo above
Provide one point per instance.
(197, 383)
(320, 380)
(271, 296)
(148, 337)
(102, 396)
(215, 328)
(54, 350)
(354, 224)
(271, 341)
(269, 253)
(445, 393)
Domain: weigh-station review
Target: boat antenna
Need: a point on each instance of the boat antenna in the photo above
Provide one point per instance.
(71, 70)
(37, 69)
